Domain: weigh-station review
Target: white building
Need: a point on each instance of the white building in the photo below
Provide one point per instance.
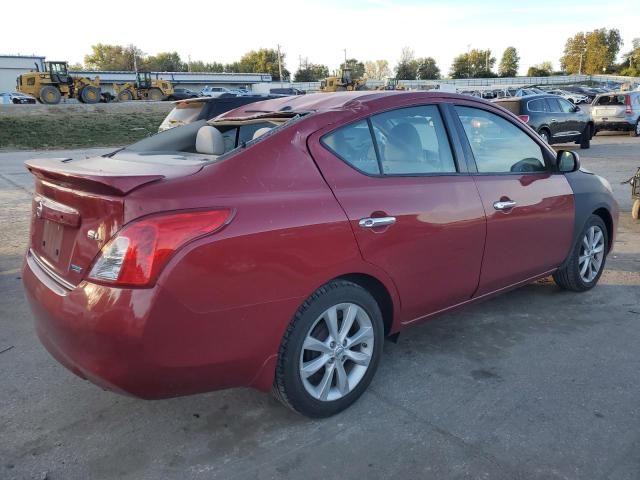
(13, 65)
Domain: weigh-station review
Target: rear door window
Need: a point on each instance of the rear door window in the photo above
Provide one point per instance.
(413, 141)
(538, 106)
(554, 105)
(354, 144)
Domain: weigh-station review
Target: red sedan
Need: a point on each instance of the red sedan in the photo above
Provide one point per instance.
(277, 246)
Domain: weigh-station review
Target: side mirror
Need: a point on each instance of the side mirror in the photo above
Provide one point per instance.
(567, 161)
(576, 108)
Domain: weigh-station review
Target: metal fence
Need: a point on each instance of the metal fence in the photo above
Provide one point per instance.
(461, 83)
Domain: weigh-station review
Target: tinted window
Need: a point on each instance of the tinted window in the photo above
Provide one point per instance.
(413, 141)
(538, 106)
(567, 107)
(612, 100)
(498, 145)
(353, 143)
(554, 105)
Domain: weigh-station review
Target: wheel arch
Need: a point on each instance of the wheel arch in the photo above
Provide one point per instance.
(379, 292)
(606, 217)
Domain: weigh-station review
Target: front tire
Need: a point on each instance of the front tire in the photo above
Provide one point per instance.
(330, 351)
(587, 259)
(89, 94)
(156, 95)
(585, 138)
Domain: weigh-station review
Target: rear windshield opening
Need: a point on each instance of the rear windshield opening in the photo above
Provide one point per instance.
(184, 113)
(612, 100)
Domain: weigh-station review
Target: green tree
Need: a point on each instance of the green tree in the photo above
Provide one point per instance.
(164, 62)
(200, 66)
(509, 63)
(377, 69)
(543, 69)
(357, 67)
(264, 60)
(407, 67)
(113, 57)
(474, 64)
(631, 63)
(591, 52)
(427, 69)
(311, 72)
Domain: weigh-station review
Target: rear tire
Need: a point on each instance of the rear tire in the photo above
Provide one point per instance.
(635, 210)
(544, 133)
(587, 259)
(636, 131)
(156, 95)
(585, 138)
(50, 95)
(317, 374)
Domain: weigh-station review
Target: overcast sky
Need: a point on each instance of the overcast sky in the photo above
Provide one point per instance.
(369, 30)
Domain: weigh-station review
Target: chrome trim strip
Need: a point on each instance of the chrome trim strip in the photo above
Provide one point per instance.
(45, 268)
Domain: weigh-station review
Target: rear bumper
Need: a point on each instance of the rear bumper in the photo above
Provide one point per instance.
(145, 343)
(626, 124)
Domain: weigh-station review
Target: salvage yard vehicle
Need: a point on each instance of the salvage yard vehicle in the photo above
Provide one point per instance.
(278, 245)
(55, 83)
(205, 108)
(554, 118)
(215, 91)
(16, 98)
(617, 111)
(342, 81)
(575, 98)
(182, 94)
(144, 88)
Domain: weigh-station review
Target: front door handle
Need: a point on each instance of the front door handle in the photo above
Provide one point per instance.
(553, 120)
(373, 222)
(504, 205)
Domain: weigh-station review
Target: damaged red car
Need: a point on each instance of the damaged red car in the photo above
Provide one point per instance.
(277, 246)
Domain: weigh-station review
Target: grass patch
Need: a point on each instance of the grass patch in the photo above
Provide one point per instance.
(71, 130)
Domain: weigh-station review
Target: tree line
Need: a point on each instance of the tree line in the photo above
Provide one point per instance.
(586, 52)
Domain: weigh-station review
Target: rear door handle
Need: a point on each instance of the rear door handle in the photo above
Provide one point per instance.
(504, 205)
(373, 222)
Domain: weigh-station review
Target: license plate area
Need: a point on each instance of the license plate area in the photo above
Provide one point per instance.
(51, 241)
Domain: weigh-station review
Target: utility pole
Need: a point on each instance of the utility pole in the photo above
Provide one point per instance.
(189, 64)
(486, 60)
(279, 65)
(468, 61)
(345, 58)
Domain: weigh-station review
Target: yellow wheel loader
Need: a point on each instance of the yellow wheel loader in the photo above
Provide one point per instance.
(54, 83)
(144, 88)
(391, 84)
(343, 82)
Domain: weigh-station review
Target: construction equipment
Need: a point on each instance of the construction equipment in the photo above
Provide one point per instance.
(54, 83)
(391, 84)
(144, 88)
(343, 82)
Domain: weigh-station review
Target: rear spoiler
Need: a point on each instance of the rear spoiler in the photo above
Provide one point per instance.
(72, 175)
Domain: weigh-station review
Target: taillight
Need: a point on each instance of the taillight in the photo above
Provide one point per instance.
(524, 118)
(627, 102)
(136, 255)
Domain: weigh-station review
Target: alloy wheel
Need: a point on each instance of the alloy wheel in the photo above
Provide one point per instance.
(336, 352)
(591, 254)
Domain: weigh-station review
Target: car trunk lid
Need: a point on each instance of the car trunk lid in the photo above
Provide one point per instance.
(79, 205)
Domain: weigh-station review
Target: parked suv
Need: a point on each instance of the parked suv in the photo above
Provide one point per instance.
(204, 108)
(555, 119)
(617, 111)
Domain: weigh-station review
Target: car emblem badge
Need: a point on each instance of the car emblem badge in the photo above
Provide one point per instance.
(93, 235)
